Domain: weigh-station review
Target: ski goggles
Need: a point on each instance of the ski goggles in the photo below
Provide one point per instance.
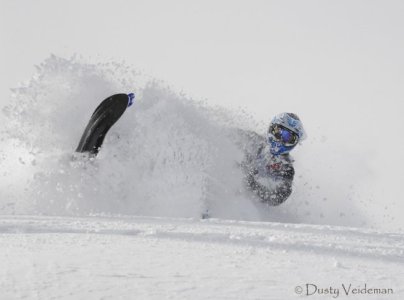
(284, 135)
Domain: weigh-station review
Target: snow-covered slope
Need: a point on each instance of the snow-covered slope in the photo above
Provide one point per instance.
(162, 258)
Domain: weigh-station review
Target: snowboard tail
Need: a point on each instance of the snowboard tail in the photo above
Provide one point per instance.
(104, 117)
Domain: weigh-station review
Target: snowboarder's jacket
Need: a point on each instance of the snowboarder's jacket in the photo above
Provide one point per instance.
(269, 177)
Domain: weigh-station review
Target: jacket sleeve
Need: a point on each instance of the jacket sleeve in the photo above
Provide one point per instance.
(279, 194)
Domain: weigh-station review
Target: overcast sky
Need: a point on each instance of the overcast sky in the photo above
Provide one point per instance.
(284, 53)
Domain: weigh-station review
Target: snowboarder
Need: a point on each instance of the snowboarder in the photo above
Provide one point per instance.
(269, 170)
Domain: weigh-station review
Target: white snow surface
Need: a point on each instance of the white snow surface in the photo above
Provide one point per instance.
(171, 258)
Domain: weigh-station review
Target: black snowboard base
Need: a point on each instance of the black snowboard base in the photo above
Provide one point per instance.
(104, 116)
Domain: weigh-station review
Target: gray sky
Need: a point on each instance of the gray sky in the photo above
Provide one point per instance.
(251, 53)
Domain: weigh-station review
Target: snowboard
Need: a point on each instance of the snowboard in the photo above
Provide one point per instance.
(104, 117)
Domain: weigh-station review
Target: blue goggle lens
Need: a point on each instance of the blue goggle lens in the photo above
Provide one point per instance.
(284, 135)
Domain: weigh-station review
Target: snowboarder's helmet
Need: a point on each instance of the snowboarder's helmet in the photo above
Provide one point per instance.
(284, 132)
